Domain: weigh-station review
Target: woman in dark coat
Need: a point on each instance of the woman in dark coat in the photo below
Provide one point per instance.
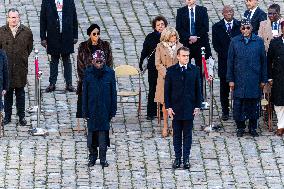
(275, 58)
(84, 58)
(152, 39)
(99, 106)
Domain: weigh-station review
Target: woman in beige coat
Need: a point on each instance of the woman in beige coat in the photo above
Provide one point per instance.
(165, 56)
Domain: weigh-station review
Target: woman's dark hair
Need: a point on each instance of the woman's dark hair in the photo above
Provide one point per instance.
(159, 18)
(276, 7)
(282, 24)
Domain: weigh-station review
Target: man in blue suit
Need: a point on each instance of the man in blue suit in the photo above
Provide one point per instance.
(254, 14)
(183, 101)
(246, 74)
(192, 24)
(222, 33)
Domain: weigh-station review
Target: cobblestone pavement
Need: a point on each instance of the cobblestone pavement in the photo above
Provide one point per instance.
(138, 156)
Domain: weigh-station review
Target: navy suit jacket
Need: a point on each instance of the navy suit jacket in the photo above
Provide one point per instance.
(201, 26)
(221, 41)
(182, 91)
(258, 16)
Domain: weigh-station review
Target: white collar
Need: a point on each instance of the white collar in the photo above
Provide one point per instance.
(252, 11)
(226, 22)
(180, 65)
(191, 7)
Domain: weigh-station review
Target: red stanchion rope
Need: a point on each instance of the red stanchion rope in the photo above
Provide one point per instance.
(205, 68)
(36, 67)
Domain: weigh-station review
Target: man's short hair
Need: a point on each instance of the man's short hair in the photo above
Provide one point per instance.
(182, 49)
(276, 7)
(13, 10)
(159, 18)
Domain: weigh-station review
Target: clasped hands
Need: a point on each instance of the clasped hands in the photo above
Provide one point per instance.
(171, 113)
(192, 39)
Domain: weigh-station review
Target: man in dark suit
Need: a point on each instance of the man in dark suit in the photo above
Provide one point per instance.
(254, 14)
(192, 24)
(182, 100)
(59, 33)
(222, 33)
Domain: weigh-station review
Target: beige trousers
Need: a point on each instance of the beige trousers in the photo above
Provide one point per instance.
(280, 116)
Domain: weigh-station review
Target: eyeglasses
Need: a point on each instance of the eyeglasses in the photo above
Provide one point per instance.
(94, 34)
(272, 13)
(247, 27)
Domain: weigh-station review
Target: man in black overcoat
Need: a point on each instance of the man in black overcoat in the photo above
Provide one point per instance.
(183, 101)
(254, 14)
(192, 24)
(59, 33)
(222, 33)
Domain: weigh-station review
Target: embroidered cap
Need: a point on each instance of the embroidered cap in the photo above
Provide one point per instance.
(245, 22)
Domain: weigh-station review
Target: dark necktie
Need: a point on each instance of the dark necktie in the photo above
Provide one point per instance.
(249, 14)
(192, 24)
(182, 69)
(229, 29)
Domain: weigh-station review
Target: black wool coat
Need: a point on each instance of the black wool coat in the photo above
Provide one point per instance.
(201, 27)
(50, 27)
(258, 16)
(148, 51)
(182, 91)
(221, 42)
(275, 58)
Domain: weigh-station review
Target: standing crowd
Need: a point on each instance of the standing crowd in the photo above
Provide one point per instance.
(250, 61)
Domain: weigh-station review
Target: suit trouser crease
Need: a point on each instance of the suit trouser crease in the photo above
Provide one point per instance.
(224, 95)
(246, 109)
(20, 102)
(102, 140)
(54, 68)
(182, 138)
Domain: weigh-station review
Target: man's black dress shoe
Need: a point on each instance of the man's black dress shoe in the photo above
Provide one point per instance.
(150, 117)
(50, 88)
(225, 117)
(186, 164)
(6, 120)
(104, 164)
(23, 121)
(92, 162)
(70, 88)
(176, 164)
(240, 133)
(253, 133)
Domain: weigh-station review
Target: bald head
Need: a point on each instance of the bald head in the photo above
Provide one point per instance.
(228, 13)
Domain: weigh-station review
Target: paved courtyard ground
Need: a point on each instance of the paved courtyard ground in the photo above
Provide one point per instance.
(139, 157)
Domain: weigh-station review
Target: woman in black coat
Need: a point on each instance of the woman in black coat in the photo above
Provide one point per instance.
(85, 55)
(275, 57)
(152, 39)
